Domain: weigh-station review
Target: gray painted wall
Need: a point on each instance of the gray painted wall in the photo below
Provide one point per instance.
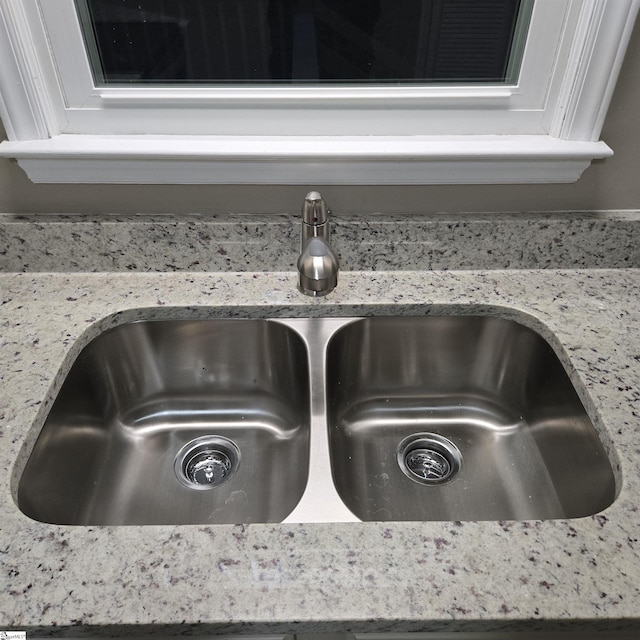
(609, 184)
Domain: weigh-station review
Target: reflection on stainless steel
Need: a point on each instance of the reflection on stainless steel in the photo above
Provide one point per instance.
(141, 392)
(316, 420)
(493, 388)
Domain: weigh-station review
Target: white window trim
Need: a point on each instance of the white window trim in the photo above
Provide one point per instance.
(84, 134)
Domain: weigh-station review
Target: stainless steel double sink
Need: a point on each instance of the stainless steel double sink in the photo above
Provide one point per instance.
(219, 421)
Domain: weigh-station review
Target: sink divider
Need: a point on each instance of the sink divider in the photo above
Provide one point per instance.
(320, 501)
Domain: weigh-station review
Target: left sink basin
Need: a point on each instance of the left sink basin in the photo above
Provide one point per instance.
(176, 422)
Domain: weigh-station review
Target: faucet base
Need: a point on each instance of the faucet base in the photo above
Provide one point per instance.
(316, 288)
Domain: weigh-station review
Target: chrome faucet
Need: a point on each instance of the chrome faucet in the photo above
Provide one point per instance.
(317, 264)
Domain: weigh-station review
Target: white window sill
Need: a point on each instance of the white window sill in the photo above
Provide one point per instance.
(302, 160)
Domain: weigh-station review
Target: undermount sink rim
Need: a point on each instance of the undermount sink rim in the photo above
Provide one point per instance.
(345, 314)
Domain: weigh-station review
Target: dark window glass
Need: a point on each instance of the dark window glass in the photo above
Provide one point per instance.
(303, 41)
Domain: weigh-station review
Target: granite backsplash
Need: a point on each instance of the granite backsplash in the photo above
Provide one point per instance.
(266, 242)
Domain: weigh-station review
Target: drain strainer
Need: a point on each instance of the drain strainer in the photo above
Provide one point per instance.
(429, 458)
(206, 462)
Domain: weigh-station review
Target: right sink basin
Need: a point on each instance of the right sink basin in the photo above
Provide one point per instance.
(459, 418)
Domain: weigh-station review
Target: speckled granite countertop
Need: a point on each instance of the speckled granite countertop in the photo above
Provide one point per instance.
(577, 574)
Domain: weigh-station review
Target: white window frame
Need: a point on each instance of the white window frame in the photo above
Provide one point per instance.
(62, 128)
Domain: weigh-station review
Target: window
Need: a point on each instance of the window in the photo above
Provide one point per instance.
(344, 110)
(258, 42)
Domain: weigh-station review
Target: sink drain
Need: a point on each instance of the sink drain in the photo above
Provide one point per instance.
(428, 458)
(206, 462)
